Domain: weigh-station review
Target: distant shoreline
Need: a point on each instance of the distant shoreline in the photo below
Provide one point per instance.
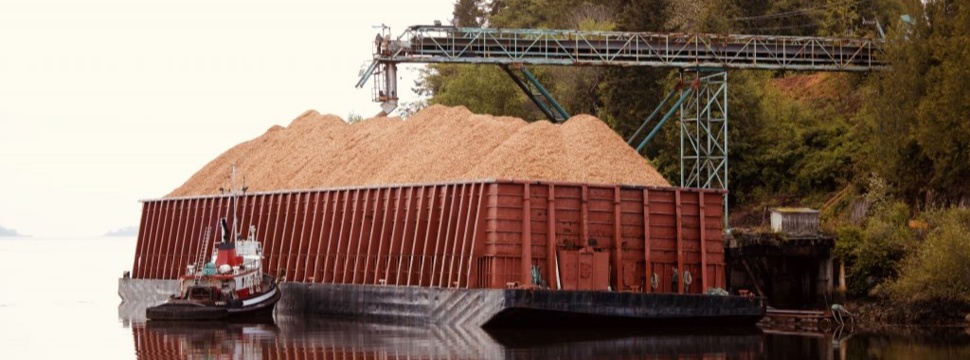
(123, 232)
(5, 232)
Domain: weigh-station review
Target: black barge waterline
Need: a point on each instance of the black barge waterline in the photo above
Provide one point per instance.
(411, 305)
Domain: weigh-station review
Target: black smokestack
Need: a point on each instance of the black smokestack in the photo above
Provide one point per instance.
(225, 230)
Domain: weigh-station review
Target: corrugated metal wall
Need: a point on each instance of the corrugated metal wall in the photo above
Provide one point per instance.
(458, 235)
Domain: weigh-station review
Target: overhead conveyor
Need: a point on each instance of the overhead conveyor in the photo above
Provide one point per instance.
(445, 44)
(520, 47)
(704, 59)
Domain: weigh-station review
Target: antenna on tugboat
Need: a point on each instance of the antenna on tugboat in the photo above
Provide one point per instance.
(235, 202)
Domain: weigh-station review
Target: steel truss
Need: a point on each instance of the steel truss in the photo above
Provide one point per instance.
(704, 132)
(446, 44)
(518, 47)
(536, 92)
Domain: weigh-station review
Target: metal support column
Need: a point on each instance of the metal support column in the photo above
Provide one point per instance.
(704, 133)
(536, 92)
(685, 93)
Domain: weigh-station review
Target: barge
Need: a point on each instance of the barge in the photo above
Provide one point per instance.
(480, 253)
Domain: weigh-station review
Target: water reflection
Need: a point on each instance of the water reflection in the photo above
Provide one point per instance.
(910, 344)
(300, 338)
(337, 339)
(206, 340)
(889, 343)
(685, 343)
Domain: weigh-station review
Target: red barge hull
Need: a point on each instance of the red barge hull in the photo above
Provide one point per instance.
(494, 234)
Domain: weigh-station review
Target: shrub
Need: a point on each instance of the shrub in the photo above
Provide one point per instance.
(939, 270)
(872, 254)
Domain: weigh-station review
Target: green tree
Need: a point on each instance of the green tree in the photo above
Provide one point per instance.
(873, 253)
(628, 95)
(470, 13)
(532, 14)
(482, 89)
(488, 89)
(943, 115)
(838, 18)
(917, 111)
(577, 88)
(353, 118)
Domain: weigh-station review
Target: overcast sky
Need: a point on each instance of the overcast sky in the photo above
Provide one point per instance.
(104, 103)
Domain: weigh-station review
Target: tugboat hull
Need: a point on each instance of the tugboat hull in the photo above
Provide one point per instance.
(256, 308)
(186, 311)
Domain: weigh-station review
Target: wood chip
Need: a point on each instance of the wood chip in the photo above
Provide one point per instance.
(437, 144)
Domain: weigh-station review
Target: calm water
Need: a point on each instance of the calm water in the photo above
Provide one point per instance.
(59, 300)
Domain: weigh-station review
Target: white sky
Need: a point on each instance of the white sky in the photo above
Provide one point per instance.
(104, 103)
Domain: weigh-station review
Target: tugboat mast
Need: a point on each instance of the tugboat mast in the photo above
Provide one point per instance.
(235, 200)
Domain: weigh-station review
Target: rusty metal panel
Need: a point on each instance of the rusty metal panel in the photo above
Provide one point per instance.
(462, 240)
(339, 254)
(402, 255)
(137, 270)
(433, 210)
(619, 266)
(151, 256)
(399, 243)
(151, 246)
(290, 227)
(358, 228)
(193, 241)
(168, 211)
(165, 247)
(259, 215)
(647, 241)
(281, 228)
(319, 237)
(714, 239)
(468, 238)
(678, 284)
(170, 248)
(196, 233)
(433, 260)
(274, 212)
(369, 266)
(551, 238)
(526, 257)
(182, 238)
(703, 241)
(302, 265)
(584, 269)
(332, 217)
(415, 236)
(390, 233)
(297, 249)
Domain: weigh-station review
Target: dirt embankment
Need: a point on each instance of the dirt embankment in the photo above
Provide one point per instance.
(437, 144)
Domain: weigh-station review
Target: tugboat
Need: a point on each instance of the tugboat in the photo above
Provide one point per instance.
(231, 286)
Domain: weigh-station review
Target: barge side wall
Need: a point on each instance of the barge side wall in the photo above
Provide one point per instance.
(487, 234)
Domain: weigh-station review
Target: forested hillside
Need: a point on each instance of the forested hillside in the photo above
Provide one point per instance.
(896, 141)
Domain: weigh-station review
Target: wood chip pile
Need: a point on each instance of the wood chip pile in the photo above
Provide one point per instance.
(437, 144)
